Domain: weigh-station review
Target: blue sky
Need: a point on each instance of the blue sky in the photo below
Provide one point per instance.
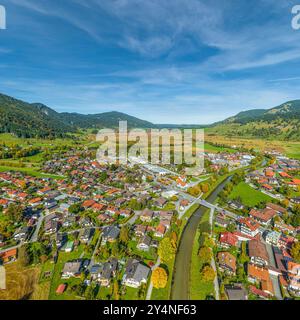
(175, 61)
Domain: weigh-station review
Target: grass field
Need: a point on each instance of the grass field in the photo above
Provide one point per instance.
(21, 283)
(30, 172)
(214, 149)
(199, 289)
(248, 195)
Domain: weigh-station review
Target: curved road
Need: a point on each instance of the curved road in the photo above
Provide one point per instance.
(181, 274)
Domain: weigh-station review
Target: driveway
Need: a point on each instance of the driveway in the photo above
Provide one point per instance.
(150, 288)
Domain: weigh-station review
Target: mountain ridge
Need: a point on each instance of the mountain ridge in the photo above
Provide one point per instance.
(38, 120)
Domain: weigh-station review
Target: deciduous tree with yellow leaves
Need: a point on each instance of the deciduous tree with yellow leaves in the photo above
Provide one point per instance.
(159, 278)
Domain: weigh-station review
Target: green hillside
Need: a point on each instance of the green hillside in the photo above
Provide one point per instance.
(282, 123)
(36, 120)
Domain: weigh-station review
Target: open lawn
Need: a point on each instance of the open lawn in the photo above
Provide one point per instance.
(30, 172)
(249, 196)
(214, 149)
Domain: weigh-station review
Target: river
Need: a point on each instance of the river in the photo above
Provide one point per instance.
(181, 274)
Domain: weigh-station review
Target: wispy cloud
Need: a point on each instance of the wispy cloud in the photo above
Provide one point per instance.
(210, 58)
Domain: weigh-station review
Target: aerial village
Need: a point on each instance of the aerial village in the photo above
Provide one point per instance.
(100, 231)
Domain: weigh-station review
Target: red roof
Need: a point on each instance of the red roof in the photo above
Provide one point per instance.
(88, 203)
(258, 292)
(98, 206)
(270, 173)
(267, 186)
(161, 229)
(250, 223)
(35, 200)
(61, 288)
(296, 181)
(9, 253)
(228, 238)
(3, 201)
(284, 175)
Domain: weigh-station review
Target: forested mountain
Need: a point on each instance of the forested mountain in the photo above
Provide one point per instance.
(281, 122)
(37, 120)
(30, 120)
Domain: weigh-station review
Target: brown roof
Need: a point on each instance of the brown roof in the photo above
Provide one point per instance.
(264, 215)
(262, 275)
(276, 207)
(228, 259)
(250, 223)
(258, 249)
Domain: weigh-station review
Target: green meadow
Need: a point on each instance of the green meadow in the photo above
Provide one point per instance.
(249, 196)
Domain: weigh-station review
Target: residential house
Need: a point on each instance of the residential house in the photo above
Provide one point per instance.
(295, 200)
(258, 253)
(61, 239)
(126, 213)
(260, 276)
(86, 235)
(236, 292)
(286, 241)
(110, 234)
(278, 209)
(264, 216)
(249, 227)
(160, 231)
(35, 202)
(160, 202)
(273, 238)
(136, 274)
(183, 204)
(236, 205)
(104, 273)
(227, 240)
(144, 243)
(227, 262)
(86, 222)
(285, 228)
(69, 221)
(71, 269)
(8, 256)
(51, 226)
(140, 230)
(23, 234)
(88, 204)
(146, 215)
(294, 276)
(221, 221)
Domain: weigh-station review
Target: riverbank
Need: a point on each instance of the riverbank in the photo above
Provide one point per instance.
(181, 274)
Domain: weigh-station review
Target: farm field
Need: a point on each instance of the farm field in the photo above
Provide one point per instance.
(289, 148)
(22, 283)
(248, 195)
